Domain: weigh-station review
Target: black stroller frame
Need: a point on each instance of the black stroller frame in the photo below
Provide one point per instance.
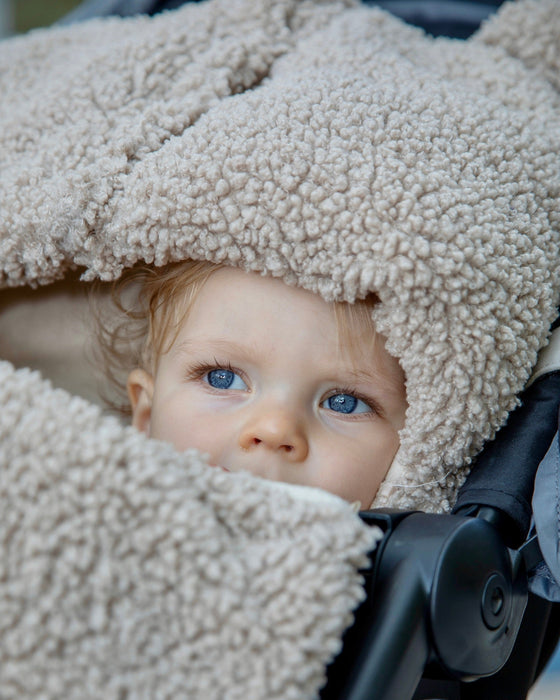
(448, 614)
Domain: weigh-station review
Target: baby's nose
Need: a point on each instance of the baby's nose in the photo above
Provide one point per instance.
(276, 430)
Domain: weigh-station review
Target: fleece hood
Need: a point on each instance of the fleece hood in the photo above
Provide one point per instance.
(325, 143)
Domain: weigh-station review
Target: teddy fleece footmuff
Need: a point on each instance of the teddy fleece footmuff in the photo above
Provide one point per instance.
(325, 143)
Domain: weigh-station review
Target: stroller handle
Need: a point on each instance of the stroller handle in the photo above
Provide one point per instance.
(444, 593)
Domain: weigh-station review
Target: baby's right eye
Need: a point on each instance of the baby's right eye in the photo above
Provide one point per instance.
(222, 378)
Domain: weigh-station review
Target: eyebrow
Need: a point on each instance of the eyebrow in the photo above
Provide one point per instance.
(215, 344)
(362, 374)
(375, 375)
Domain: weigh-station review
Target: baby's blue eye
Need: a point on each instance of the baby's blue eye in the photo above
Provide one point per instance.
(225, 379)
(346, 403)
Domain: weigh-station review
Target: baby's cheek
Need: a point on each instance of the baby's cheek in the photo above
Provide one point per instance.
(205, 439)
(362, 466)
(187, 432)
(169, 425)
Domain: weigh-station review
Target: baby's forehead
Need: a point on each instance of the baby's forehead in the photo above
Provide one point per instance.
(251, 313)
(230, 290)
(213, 298)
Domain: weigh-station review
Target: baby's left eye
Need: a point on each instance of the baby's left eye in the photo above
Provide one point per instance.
(346, 403)
(223, 378)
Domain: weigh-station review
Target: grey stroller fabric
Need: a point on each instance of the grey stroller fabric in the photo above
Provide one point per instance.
(545, 581)
(325, 143)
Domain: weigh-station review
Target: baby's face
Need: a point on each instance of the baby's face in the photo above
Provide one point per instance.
(256, 379)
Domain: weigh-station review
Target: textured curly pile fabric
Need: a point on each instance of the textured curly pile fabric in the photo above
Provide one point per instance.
(325, 143)
(359, 155)
(129, 570)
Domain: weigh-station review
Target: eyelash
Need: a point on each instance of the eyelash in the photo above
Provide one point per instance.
(200, 369)
(373, 405)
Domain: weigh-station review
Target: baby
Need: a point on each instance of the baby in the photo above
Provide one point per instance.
(266, 378)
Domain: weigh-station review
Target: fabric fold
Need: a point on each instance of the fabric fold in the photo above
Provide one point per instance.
(324, 143)
(130, 569)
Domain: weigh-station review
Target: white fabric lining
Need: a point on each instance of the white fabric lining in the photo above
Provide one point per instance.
(549, 358)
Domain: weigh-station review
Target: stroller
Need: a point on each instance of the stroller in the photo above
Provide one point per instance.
(427, 634)
(421, 632)
(449, 613)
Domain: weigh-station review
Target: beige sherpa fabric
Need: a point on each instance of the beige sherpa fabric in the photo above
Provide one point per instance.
(359, 155)
(325, 143)
(50, 329)
(128, 570)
